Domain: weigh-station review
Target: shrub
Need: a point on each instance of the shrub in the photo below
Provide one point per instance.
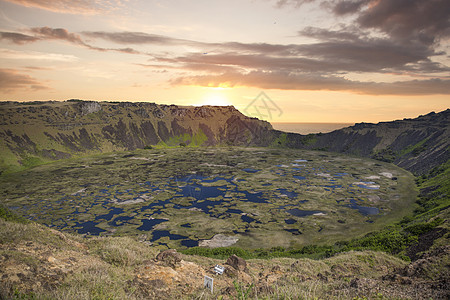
(8, 215)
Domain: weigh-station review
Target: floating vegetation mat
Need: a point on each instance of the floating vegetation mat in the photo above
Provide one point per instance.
(249, 197)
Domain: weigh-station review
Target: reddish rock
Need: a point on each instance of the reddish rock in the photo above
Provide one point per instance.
(237, 263)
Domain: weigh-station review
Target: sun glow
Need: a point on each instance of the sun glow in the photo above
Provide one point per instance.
(216, 99)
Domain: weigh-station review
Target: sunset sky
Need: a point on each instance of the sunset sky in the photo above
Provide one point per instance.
(317, 60)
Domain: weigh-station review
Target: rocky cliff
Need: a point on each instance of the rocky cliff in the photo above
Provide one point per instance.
(35, 132)
(417, 145)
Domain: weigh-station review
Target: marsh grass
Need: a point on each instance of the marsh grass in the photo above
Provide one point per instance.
(75, 190)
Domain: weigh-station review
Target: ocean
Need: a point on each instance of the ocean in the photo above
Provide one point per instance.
(307, 128)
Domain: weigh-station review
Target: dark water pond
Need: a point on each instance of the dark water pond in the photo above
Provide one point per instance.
(189, 243)
(234, 211)
(250, 170)
(364, 210)
(113, 211)
(294, 231)
(201, 193)
(89, 227)
(247, 219)
(157, 234)
(148, 225)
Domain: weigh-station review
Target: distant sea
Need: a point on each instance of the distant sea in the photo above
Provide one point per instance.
(307, 128)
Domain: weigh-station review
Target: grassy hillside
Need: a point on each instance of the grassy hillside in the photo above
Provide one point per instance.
(32, 133)
(41, 263)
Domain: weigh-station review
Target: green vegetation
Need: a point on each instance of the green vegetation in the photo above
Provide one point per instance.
(242, 291)
(209, 188)
(195, 140)
(310, 139)
(281, 141)
(386, 155)
(415, 149)
(111, 267)
(31, 161)
(433, 209)
(7, 215)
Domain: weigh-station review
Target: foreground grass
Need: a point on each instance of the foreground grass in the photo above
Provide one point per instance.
(54, 265)
(41, 263)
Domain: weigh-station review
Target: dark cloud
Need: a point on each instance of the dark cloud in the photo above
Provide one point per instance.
(345, 50)
(295, 3)
(349, 7)
(202, 67)
(17, 38)
(65, 35)
(11, 80)
(47, 33)
(135, 38)
(69, 6)
(386, 37)
(341, 53)
(408, 20)
(294, 81)
(61, 34)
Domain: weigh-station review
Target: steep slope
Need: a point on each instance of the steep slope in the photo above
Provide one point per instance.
(417, 145)
(35, 132)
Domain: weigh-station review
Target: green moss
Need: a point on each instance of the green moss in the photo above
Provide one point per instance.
(386, 155)
(8, 215)
(280, 141)
(415, 149)
(309, 139)
(195, 140)
(31, 161)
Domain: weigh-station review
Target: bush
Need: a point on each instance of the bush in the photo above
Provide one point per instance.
(421, 228)
(8, 215)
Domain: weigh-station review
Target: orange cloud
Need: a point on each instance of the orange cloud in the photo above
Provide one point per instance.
(11, 80)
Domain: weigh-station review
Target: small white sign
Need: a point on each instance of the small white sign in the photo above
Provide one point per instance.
(209, 283)
(219, 269)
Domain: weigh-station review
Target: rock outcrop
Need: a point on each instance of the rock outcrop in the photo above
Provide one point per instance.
(35, 132)
(237, 263)
(417, 145)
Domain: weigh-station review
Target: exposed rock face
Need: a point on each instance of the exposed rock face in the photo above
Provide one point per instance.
(417, 145)
(71, 127)
(88, 107)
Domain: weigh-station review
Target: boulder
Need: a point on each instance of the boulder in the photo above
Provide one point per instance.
(169, 257)
(237, 263)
